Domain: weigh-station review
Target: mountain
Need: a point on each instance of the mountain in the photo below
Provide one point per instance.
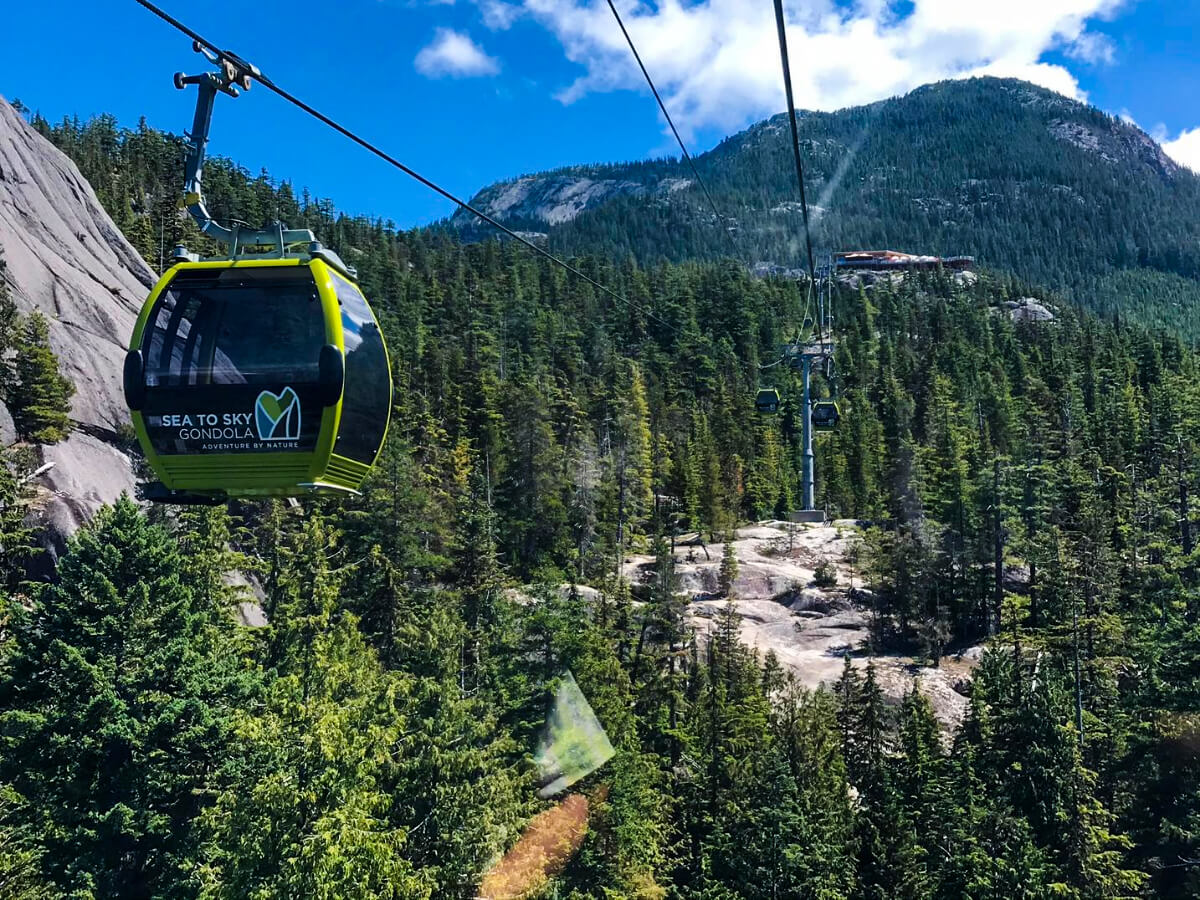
(1031, 183)
(65, 257)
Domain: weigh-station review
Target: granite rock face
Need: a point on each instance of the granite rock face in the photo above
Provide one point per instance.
(1028, 309)
(8, 432)
(560, 197)
(67, 259)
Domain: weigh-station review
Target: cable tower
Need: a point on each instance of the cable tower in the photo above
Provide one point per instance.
(802, 354)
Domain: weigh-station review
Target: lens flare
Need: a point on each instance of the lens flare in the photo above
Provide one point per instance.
(550, 840)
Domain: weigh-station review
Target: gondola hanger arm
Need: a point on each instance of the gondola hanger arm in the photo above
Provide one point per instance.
(234, 74)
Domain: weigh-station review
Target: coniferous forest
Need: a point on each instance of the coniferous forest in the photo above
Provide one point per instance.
(1029, 485)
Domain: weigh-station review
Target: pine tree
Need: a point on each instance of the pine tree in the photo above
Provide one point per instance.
(637, 445)
(401, 528)
(304, 811)
(39, 396)
(819, 840)
(992, 855)
(116, 705)
(890, 859)
(923, 783)
(728, 572)
(657, 657)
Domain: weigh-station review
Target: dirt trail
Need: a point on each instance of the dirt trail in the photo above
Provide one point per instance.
(811, 629)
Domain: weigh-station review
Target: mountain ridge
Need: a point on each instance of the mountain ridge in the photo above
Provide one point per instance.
(1051, 190)
(627, 172)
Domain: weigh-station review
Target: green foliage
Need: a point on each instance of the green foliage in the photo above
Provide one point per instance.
(37, 394)
(1071, 197)
(20, 854)
(825, 574)
(728, 572)
(18, 537)
(306, 813)
(115, 702)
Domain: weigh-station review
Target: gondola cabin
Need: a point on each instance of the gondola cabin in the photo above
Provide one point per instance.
(258, 377)
(825, 415)
(766, 401)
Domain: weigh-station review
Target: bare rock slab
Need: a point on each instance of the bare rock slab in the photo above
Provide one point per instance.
(67, 259)
(87, 473)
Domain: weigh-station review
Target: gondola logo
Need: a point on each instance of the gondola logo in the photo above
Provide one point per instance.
(277, 416)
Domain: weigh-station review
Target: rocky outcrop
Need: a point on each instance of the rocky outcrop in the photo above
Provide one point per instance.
(1115, 142)
(1027, 309)
(66, 258)
(8, 432)
(811, 628)
(81, 474)
(560, 197)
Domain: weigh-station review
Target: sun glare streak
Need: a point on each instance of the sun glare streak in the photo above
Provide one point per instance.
(550, 840)
(839, 173)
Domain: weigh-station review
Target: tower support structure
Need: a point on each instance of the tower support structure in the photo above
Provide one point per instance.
(802, 359)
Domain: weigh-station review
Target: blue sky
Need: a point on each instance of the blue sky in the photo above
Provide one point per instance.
(472, 91)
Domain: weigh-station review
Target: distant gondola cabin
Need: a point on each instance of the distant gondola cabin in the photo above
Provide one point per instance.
(825, 415)
(767, 401)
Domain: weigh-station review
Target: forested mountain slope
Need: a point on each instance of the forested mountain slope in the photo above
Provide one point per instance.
(1026, 180)
(1029, 484)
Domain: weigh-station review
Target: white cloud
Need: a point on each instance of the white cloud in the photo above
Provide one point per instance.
(1185, 149)
(498, 15)
(717, 61)
(1093, 47)
(453, 53)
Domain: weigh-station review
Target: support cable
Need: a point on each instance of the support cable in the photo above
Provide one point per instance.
(679, 140)
(270, 85)
(787, 84)
(696, 172)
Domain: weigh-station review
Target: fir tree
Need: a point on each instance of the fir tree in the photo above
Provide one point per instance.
(39, 396)
(728, 572)
(116, 705)
(304, 812)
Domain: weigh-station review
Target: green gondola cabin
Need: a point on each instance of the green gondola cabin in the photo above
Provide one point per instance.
(263, 373)
(258, 377)
(825, 415)
(767, 401)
